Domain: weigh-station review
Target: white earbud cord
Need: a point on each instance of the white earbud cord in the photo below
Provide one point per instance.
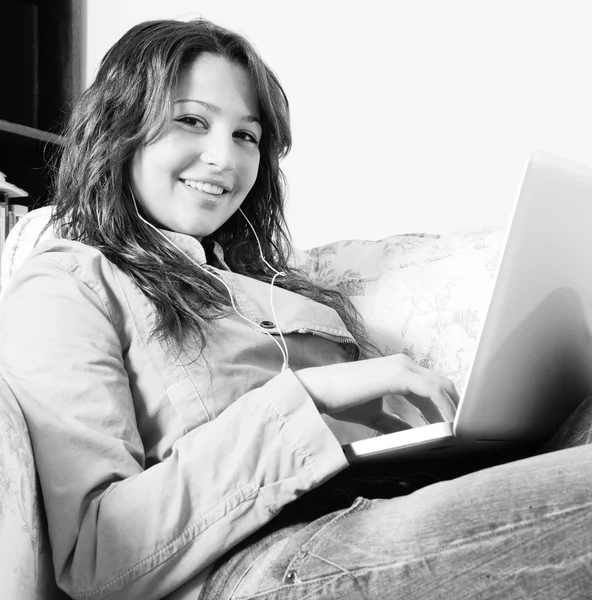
(284, 349)
(277, 273)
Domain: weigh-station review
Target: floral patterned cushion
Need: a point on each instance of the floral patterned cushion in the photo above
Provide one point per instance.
(26, 570)
(423, 295)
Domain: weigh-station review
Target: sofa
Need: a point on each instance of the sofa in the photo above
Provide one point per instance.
(420, 294)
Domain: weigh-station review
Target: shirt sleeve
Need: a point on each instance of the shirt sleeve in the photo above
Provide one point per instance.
(117, 529)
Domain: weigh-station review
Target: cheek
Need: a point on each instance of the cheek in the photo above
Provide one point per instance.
(254, 171)
(146, 183)
(143, 169)
(138, 178)
(135, 169)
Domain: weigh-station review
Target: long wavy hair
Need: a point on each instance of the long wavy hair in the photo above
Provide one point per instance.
(129, 104)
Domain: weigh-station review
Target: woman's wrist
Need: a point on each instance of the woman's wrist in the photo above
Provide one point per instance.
(341, 385)
(312, 381)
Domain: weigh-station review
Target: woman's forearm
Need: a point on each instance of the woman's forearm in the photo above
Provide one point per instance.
(337, 388)
(342, 385)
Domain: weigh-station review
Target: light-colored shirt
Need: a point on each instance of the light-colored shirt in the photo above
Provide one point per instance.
(155, 460)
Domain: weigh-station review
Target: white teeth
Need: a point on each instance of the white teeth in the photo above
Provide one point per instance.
(205, 187)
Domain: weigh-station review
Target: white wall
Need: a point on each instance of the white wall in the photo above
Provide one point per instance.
(407, 116)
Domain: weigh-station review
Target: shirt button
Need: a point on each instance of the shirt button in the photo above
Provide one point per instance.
(267, 324)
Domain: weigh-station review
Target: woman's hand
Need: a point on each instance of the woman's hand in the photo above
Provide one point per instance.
(373, 415)
(354, 392)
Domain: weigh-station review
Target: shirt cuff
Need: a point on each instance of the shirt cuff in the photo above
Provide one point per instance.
(322, 453)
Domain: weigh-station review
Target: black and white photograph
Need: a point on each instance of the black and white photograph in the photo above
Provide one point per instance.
(295, 300)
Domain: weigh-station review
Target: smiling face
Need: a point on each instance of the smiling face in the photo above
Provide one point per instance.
(195, 176)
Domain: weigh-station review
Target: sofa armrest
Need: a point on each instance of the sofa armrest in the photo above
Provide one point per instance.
(26, 569)
(21, 240)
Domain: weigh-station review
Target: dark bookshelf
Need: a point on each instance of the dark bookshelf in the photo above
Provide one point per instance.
(42, 57)
(21, 137)
(25, 157)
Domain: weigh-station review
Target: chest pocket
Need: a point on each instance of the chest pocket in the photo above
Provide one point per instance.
(240, 356)
(293, 313)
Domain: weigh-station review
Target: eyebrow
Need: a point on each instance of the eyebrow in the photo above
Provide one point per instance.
(216, 109)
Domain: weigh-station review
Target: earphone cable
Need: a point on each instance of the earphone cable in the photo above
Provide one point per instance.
(277, 273)
(284, 349)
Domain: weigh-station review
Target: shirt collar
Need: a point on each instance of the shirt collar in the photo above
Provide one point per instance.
(194, 248)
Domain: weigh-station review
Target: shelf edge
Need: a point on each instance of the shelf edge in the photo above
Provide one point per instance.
(30, 132)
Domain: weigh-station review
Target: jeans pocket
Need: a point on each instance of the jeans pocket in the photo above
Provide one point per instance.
(251, 579)
(293, 562)
(307, 564)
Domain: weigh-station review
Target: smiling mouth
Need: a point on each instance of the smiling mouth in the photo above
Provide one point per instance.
(202, 186)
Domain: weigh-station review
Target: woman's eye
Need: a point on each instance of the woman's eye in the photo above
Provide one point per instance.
(193, 122)
(245, 136)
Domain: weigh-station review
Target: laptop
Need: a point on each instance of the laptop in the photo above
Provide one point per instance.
(533, 361)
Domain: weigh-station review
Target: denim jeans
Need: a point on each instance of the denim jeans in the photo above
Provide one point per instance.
(522, 529)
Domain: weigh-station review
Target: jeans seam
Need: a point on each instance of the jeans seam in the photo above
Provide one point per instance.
(328, 580)
(316, 583)
(517, 526)
(308, 547)
(411, 559)
(329, 562)
(240, 579)
(361, 504)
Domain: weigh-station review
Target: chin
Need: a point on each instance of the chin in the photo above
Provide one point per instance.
(198, 235)
(196, 231)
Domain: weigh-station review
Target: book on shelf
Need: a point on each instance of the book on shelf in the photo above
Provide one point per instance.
(15, 213)
(11, 189)
(11, 211)
(3, 218)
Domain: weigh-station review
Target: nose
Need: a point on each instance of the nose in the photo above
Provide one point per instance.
(218, 151)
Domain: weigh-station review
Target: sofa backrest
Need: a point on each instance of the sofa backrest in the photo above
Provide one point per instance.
(419, 294)
(21, 240)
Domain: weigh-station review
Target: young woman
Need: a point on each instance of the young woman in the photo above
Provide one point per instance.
(173, 369)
